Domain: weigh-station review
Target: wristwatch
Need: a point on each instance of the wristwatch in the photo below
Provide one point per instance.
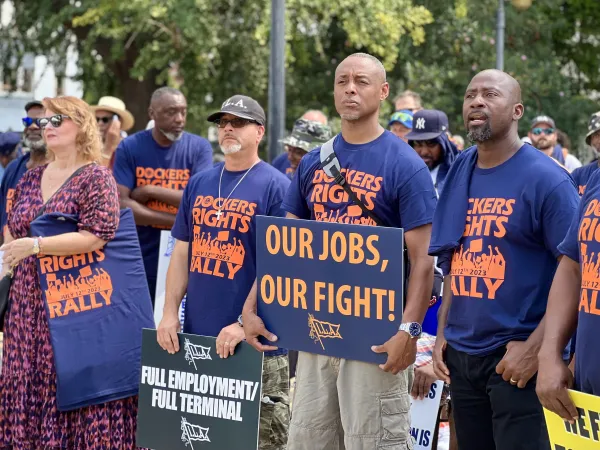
(240, 321)
(36, 246)
(412, 328)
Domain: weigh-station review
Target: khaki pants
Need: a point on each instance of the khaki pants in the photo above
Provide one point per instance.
(341, 404)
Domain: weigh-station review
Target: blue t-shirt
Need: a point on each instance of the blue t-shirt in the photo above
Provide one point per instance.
(282, 163)
(14, 171)
(519, 212)
(386, 174)
(582, 244)
(222, 253)
(581, 175)
(140, 161)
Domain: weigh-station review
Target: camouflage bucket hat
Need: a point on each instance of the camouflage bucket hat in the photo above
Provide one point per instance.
(593, 127)
(307, 135)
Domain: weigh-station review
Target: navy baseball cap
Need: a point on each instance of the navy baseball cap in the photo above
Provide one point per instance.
(428, 124)
(543, 119)
(9, 142)
(33, 104)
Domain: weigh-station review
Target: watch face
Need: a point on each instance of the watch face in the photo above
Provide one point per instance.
(414, 329)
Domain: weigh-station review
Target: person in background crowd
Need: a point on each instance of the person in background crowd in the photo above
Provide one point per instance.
(282, 162)
(8, 150)
(214, 303)
(563, 140)
(544, 137)
(29, 418)
(429, 138)
(408, 101)
(113, 121)
(306, 135)
(581, 175)
(153, 167)
(401, 123)
(34, 156)
(458, 140)
(340, 397)
(505, 210)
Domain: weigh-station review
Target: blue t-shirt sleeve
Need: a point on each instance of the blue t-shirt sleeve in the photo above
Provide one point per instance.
(277, 194)
(124, 168)
(205, 157)
(181, 227)
(295, 201)
(558, 211)
(569, 246)
(417, 200)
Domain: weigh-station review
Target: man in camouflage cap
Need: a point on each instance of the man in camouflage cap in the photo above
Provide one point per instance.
(583, 174)
(306, 135)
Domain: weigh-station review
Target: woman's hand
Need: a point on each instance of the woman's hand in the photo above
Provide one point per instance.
(16, 250)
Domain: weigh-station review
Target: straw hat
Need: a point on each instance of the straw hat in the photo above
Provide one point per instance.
(116, 105)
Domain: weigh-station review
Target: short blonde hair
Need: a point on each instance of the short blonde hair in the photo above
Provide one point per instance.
(88, 139)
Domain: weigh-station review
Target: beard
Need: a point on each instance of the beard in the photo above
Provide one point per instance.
(173, 137)
(350, 117)
(230, 149)
(36, 146)
(480, 134)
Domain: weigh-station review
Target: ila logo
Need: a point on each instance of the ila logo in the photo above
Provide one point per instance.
(194, 352)
(193, 433)
(321, 330)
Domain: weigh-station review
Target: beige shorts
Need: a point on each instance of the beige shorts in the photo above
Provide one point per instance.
(341, 404)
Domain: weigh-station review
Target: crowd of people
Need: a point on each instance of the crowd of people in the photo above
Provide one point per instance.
(502, 248)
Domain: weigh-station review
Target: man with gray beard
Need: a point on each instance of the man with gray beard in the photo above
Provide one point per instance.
(214, 257)
(153, 167)
(496, 230)
(34, 155)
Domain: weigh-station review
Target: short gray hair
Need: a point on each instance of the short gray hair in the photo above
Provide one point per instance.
(377, 62)
(160, 92)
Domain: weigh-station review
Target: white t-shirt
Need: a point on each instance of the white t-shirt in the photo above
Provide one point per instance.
(572, 163)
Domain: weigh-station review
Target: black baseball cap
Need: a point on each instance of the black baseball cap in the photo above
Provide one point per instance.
(241, 106)
(33, 104)
(543, 119)
(428, 124)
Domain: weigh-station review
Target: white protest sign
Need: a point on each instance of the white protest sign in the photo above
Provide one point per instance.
(167, 242)
(424, 415)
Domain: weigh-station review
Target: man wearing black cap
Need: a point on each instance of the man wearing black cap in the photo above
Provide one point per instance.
(153, 167)
(544, 137)
(583, 174)
(34, 155)
(429, 137)
(214, 258)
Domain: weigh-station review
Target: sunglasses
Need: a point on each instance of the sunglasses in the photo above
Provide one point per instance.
(28, 121)
(235, 123)
(546, 131)
(103, 119)
(56, 121)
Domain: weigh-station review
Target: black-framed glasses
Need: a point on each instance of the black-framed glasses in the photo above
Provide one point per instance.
(56, 121)
(546, 131)
(28, 121)
(238, 122)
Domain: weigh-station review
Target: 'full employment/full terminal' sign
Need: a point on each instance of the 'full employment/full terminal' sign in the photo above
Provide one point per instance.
(328, 288)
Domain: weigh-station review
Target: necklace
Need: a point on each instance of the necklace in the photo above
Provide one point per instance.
(221, 202)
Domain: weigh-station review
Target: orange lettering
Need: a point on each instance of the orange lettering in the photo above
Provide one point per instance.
(487, 205)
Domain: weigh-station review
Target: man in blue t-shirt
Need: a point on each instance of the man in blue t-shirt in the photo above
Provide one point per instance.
(214, 258)
(366, 403)
(499, 221)
(153, 167)
(34, 155)
(282, 162)
(573, 305)
(581, 175)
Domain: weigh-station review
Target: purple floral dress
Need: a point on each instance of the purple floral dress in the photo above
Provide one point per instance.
(29, 419)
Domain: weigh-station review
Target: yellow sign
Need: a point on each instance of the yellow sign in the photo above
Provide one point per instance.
(584, 434)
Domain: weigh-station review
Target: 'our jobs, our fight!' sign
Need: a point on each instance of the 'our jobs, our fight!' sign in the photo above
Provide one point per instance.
(329, 288)
(196, 400)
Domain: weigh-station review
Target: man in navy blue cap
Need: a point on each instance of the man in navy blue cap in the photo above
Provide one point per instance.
(429, 137)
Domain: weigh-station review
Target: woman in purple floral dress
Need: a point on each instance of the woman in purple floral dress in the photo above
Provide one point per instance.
(29, 418)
